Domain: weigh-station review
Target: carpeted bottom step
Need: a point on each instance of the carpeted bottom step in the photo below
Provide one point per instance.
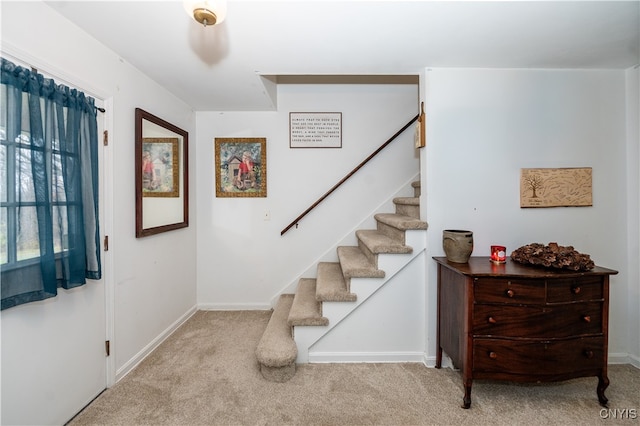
(277, 351)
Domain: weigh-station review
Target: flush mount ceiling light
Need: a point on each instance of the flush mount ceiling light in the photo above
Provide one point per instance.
(206, 12)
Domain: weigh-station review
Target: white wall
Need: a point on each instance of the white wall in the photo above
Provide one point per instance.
(153, 284)
(484, 125)
(633, 209)
(243, 262)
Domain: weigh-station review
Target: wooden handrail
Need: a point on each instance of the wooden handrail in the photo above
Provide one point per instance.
(358, 167)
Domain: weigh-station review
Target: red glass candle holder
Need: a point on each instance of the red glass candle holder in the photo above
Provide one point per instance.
(498, 254)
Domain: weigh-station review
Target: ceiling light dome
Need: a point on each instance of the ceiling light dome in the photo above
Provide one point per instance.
(207, 12)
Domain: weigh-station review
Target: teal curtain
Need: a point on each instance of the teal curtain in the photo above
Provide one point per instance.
(50, 232)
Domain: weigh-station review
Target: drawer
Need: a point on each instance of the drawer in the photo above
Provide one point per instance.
(572, 290)
(538, 321)
(516, 291)
(538, 358)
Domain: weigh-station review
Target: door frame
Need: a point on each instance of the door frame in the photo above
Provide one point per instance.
(106, 200)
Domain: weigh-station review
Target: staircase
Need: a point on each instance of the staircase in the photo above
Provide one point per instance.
(319, 304)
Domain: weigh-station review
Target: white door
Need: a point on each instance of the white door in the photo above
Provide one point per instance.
(53, 352)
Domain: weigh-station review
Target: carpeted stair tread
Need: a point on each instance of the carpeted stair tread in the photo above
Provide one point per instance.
(377, 242)
(400, 221)
(410, 201)
(355, 264)
(331, 285)
(277, 347)
(306, 310)
(409, 206)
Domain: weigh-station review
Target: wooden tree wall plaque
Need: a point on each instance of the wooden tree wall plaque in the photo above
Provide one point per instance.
(564, 187)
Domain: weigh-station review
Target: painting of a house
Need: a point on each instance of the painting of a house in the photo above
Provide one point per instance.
(241, 166)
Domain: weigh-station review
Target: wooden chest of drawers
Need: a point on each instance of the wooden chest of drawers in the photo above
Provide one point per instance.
(521, 323)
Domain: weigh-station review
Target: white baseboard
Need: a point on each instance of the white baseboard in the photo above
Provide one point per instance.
(234, 307)
(623, 358)
(365, 357)
(140, 356)
(634, 360)
(613, 358)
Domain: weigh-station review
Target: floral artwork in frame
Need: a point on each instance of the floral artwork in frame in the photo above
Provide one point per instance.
(160, 167)
(241, 167)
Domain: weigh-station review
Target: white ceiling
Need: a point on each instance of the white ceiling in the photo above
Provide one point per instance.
(232, 66)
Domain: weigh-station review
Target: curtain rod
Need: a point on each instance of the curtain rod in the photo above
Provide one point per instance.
(21, 62)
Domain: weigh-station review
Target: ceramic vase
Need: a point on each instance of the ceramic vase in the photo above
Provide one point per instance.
(457, 244)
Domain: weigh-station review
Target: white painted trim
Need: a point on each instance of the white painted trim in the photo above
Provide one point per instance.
(430, 361)
(624, 358)
(107, 229)
(634, 360)
(613, 359)
(365, 357)
(153, 345)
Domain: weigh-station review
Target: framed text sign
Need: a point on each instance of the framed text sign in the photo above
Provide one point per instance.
(315, 130)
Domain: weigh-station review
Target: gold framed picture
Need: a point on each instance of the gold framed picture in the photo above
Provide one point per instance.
(241, 167)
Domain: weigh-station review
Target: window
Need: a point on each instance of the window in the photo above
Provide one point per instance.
(49, 230)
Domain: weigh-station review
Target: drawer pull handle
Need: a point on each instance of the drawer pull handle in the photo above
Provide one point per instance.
(586, 318)
(493, 355)
(491, 320)
(588, 353)
(510, 293)
(576, 289)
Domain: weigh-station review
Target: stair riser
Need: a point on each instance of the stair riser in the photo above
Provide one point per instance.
(416, 188)
(391, 232)
(331, 284)
(408, 210)
(373, 258)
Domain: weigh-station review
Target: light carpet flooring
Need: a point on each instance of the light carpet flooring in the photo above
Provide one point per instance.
(206, 373)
